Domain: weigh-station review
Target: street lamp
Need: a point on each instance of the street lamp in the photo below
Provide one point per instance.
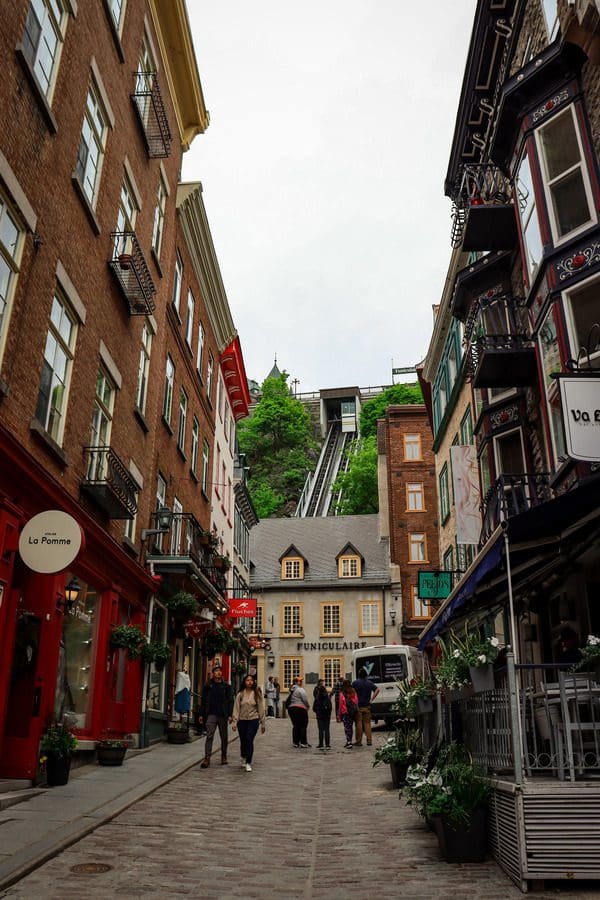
(164, 517)
(271, 658)
(393, 616)
(67, 600)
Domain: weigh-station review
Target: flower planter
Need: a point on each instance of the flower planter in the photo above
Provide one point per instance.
(111, 756)
(57, 770)
(482, 678)
(424, 705)
(176, 736)
(398, 772)
(125, 260)
(466, 843)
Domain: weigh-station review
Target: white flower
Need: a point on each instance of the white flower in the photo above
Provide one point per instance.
(482, 658)
(593, 640)
(494, 641)
(456, 654)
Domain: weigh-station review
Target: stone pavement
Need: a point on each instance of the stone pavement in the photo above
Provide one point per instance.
(301, 824)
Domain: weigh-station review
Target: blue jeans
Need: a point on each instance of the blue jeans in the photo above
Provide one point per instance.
(247, 729)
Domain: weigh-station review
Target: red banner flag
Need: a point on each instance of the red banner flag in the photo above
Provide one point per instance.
(242, 607)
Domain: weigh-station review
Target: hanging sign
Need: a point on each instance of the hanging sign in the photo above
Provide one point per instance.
(242, 607)
(51, 541)
(580, 400)
(434, 585)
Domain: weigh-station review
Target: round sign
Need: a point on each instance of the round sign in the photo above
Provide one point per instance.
(50, 541)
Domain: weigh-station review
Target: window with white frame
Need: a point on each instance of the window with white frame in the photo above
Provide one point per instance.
(226, 422)
(530, 225)
(448, 562)
(220, 397)
(565, 176)
(209, 374)
(509, 455)
(412, 447)
(43, 39)
(161, 500)
(551, 18)
(144, 81)
(117, 9)
(331, 619)
(415, 496)
(291, 667)
(331, 669)
(56, 369)
(130, 524)
(177, 528)
(369, 618)
(102, 416)
(11, 246)
(189, 322)
(159, 215)
(143, 368)
(92, 145)
(583, 312)
(466, 427)
(183, 408)
(168, 392)
(291, 615)
(205, 455)
(421, 608)
(417, 547)
(200, 349)
(444, 493)
(349, 566)
(550, 361)
(177, 282)
(126, 216)
(195, 442)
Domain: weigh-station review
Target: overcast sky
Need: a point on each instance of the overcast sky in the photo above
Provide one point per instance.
(323, 171)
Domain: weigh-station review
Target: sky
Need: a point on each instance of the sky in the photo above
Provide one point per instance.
(323, 169)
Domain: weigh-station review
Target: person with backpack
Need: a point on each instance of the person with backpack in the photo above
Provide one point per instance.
(348, 711)
(297, 707)
(322, 710)
(366, 691)
(248, 714)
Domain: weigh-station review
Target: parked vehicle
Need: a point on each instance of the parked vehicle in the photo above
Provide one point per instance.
(386, 665)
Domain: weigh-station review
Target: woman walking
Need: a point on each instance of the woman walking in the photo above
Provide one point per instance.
(248, 714)
(322, 710)
(348, 710)
(298, 713)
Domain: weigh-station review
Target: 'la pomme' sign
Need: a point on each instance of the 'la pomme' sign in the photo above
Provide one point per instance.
(50, 541)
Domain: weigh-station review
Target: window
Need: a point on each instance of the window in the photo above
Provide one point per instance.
(200, 350)
(117, 8)
(176, 299)
(43, 39)
(221, 391)
(144, 82)
(195, 440)
(102, 416)
(161, 500)
(291, 667)
(417, 547)
(448, 562)
(159, 216)
(421, 608)
(444, 493)
(176, 529)
(291, 624)
(331, 669)
(369, 622)
(292, 567)
(11, 243)
(412, 446)
(168, 395)
(551, 18)
(130, 524)
(415, 497)
(91, 146)
(56, 369)
(550, 359)
(205, 453)
(349, 567)
(331, 619)
(530, 226)
(226, 422)
(209, 375)
(189, 322)
(256, 625)
(183, 405)
(583, 311)
(565, 176)
(143, 368)
(217, 485)
(452, 364)
(466, 428)
(509, 453)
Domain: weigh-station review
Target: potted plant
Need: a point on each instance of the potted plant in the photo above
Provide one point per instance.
(177, 732)
(125, 260)
(590, 656)
(111, 752)
(399, 752)
(479, 654)
(130, 638)
(452, 671)
(183, 605)
(415, 696)
(221, 562)
(158, 653)
(216, 640)
(56, 749)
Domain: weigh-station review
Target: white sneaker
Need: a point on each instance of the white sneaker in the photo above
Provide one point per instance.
(248, 767)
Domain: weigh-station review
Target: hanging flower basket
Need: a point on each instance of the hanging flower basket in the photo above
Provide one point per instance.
(130, 638)
(183, 605)
(482, 678)
(217, 640)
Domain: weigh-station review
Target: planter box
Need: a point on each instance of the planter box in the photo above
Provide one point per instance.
(466, 844)
(111, 756)
(177, 737)
(398, 772)
(424, 705)
(482, 678)
(57, 770)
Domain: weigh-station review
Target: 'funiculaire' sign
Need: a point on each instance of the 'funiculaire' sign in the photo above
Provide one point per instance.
(50, 541)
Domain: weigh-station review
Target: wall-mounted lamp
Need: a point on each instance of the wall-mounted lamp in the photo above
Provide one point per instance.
(164, 517)
(271, 659)
(67, 600)
(393, 616)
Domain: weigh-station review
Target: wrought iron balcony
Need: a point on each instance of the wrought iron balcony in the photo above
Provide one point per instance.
(510, 495)
(109, 483)
(186, 550)
(483, 213)
(150, 107)
(131, 271)
(498, 350)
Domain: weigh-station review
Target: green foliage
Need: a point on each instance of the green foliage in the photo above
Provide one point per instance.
(403, 747)
(397, 394)
(448, 784)
(130, 638)
(158, 653)
(183, 605)
(359, 483)
(58, 741)
(280, 448)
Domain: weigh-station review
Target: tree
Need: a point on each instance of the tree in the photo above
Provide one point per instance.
(375, 409)
(358, 484)
(279, 446)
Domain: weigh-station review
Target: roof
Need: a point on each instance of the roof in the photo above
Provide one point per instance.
(320, 541)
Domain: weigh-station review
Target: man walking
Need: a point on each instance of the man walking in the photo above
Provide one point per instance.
(216, 708)
(366, 691)
(277, 693)
(270, 693)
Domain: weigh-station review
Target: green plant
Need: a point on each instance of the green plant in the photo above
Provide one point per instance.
(417, 688)
(474, 649)
(57, 741)
(130, 638)
(158, 653)
(449, 784)
(402, 748)
(239, 668)
(221, 561)
(217, 640)
(590, 654)
(183, 604)
(111, 744)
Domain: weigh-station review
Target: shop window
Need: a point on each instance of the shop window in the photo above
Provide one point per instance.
(56, 369)
(157, 677)
(369, 619)
(331, 619)
(331, 669)
(76, 658)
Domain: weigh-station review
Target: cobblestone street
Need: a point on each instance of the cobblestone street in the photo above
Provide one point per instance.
(301, 824)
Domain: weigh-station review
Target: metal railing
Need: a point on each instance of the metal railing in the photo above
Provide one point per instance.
(478, 185)
(186, 539)
(510, 495)
(106, 472)
(130, 268)
(150, 106)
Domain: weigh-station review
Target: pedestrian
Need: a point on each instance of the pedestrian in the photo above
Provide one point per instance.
(298, 713)
(366, 692)
(335, 692)
(320, 683)
(270, 693)
(348, 710)
(248, 714)
(216, 707)
(322, 710)
(277, 694)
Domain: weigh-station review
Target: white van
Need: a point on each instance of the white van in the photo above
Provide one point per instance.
(386, 665)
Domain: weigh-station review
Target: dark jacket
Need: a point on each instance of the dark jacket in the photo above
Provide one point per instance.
(217, 700)
(322, 706)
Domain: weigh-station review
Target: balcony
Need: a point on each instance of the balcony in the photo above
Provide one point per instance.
(109, 483)
(511, 495)
(483, 213)
(148, 102)
(498, 350)
(131, 271)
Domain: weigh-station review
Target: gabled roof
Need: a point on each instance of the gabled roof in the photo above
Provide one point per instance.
(292, 551)
(349, 550)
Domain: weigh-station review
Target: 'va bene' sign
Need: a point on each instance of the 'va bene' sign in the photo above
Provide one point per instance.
(50, 541)
(580, 398)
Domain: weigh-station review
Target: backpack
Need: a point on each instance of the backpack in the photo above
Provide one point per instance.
(288, 699)
(322, 706)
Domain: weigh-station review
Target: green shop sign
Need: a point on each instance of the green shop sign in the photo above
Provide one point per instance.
(435, 585)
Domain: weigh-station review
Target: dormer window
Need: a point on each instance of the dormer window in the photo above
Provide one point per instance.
(349, 567)
(292, 567)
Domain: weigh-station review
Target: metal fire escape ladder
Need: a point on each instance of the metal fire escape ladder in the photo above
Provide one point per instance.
(319, 482)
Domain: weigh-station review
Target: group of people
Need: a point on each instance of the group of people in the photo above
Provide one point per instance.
(245, 713)
(272, 692)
